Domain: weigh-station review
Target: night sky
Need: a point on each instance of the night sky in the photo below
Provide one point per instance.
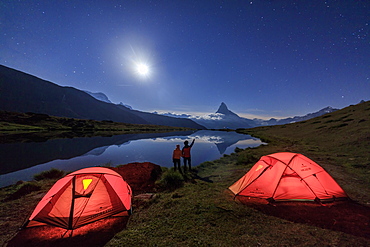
(262, 58)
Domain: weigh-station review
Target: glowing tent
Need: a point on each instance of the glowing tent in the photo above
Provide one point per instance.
(82, 197)
(288, 176)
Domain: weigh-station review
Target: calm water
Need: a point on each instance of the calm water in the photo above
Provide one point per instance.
(20, 161)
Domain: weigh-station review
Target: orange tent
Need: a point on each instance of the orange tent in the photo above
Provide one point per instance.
(82, 197)
(288, 176)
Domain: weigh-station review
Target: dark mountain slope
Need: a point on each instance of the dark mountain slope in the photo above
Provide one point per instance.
(21, 92)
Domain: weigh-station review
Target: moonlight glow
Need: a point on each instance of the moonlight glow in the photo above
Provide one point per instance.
(142, 69)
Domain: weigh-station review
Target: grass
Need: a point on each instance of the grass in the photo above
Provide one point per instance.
(6, 127)
(50, 174)
(170, 180)
(22, 190)
(202, 212)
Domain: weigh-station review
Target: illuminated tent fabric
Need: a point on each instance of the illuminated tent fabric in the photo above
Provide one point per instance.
(82, 197)
(287, 176)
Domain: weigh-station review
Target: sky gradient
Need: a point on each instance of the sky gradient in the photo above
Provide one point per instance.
(262, 58)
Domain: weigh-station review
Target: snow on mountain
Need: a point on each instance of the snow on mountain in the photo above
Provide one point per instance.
(127, 106)
(99, 96)
(102, 97)
(169, 114)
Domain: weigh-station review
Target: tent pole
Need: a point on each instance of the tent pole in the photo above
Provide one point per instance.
(70, 221)
(320, 183)
(64, 233)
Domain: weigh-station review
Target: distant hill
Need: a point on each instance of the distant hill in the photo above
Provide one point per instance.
(21, 92)
(344, 128)
(295, 119)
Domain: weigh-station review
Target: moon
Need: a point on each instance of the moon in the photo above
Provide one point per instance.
(142, 69)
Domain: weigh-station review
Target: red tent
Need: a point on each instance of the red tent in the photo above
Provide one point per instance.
(287, 176)
(82, 197)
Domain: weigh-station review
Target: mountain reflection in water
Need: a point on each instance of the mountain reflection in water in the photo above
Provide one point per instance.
(20, 161)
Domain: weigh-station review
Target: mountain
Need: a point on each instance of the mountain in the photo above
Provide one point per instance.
(21, 92)
(224, 110)
(226, 119)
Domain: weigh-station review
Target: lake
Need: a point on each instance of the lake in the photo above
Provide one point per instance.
(20, 161)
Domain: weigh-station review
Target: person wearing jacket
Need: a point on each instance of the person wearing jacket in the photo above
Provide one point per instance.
(186, 154)
(176, 156)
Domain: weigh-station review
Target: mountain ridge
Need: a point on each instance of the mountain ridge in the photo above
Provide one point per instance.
(224, 118)
(22, 92)
(28, 93)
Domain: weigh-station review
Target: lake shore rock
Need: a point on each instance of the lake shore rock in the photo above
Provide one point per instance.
(140, 176)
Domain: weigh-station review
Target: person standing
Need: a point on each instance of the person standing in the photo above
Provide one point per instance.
(176, 156)
(186, 154)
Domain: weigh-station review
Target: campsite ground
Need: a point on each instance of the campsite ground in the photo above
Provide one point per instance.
(203, 211)
(142, 179)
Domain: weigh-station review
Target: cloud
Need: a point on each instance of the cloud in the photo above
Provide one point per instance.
(212, 116)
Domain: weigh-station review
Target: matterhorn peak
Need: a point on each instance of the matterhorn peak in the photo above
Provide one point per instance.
(224, 110)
